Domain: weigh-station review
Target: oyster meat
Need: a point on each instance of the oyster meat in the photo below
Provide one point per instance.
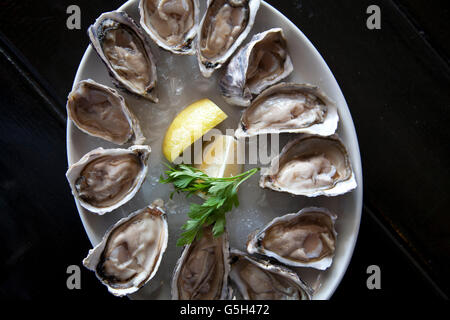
(311, 166)
(104, 179)
(289, 107)
(303, 239)
(224, 26)
(130, 253)
(101, 112)
(261, 63)
(261, 280)
(122, 46)
(202, 271)
(172, 24)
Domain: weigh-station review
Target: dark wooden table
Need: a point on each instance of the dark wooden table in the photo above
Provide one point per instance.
(395, 80)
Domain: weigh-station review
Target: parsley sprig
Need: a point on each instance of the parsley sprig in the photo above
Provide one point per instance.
(221, 197)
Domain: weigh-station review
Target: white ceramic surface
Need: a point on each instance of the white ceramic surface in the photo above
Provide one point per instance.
(179, 84)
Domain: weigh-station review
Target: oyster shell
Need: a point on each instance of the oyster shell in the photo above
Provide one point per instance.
(224, 26)
(122, 46)
(289, 107)
(303, 239)
(104, 179)
(202, 271)
(101, 112)
(130, 253)
(261, 280)
(261, 63)
(172, 24)
(311, 166)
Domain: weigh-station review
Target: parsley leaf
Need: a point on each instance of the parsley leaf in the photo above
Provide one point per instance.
(221, 197)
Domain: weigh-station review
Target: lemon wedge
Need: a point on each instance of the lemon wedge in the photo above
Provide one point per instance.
(219, 158)
(189, 125)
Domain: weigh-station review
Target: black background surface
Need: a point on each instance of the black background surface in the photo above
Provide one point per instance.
(395, 81)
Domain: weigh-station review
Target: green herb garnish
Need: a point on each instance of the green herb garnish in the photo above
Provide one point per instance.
(221, 194)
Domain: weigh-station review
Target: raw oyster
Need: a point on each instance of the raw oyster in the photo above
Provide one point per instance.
(101, 112)
(172, 24)
(261, 63)
(303, 239)
(261, 280)
(122, 46)
(289, 107)
(224, 26)
(311, 166)
(130, 253)
(202, 271)
(104, 179)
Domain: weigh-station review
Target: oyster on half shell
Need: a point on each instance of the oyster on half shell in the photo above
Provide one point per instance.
(289, 108)
(311, 166)
(130, 253)
(261, 280)
(104, 179)
(261, 63)
(303, 239)
(202, 271)
(224, 26)
(172, 24)
(123, 48)
(101, 112)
